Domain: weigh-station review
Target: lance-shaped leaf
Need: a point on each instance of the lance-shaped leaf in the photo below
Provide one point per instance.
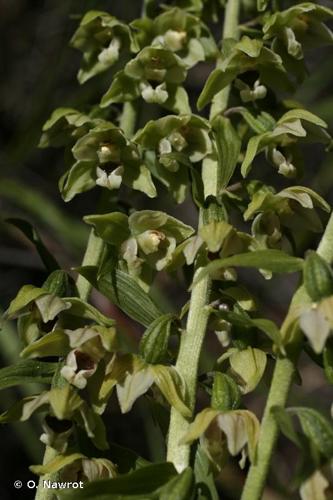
(56, 464)
(22, 410)
(316, 428)
(248, 365)
(55, 343)
(143, 482)
(32, 234)
(228, 146)
(275, 261)
(180, 487)
(25, 372)
(124, 292)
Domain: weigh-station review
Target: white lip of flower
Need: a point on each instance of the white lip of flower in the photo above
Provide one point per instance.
(70, 373)
(293, 46)
(110, 181)
(158, 95)
(175, 40)
(110, 55)
(284, 166)
(57, 440)
(259, 92)
(150, 240)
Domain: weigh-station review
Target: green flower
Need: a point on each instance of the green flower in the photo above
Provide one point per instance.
(146, 237)
(64, 127)
(155, 74)
(101, 38)
(104, 157)
(300, 25)
(179, 32)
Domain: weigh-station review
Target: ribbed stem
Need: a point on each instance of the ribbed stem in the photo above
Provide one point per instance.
(230, 30)
(187, 366)
(282, 379)
(193, 337)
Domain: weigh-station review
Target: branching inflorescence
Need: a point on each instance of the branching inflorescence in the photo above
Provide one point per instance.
(254, 132)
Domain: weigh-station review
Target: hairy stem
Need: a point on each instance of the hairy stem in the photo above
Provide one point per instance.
(187, 365)
(230, 30)
(192, 339)
(282, 379)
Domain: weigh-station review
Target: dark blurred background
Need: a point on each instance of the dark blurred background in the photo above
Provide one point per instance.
(39, 74)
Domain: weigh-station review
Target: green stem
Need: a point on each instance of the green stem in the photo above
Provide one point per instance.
(187, 365)
(91, 258)
(282, 379)
(230, 30)
(192, 339)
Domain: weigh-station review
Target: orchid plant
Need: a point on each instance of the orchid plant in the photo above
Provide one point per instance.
(212, 154)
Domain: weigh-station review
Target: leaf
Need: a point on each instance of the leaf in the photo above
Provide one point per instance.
(275, 261)
(143, 481)
(22, 410)
(32, 234)
(124, 292)
(249, 365)
(285, 424)
(204, 476)
(179, 487)
(26, 295)
(25, 372)
(87, 311)
(302, 114)
(217, 80)
(172, 387)
(154, 342)
(328, 363)
(55, 343)
(56, 464)
(228, 148)
(317, 428)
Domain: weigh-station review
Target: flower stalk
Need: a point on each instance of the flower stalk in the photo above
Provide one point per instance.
(283, 375)
(192, 339)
